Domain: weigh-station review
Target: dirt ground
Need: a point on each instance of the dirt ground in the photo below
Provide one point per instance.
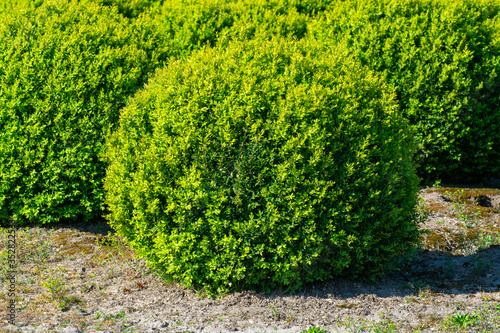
(82, 278)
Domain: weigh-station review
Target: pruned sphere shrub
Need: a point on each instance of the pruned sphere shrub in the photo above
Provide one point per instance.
(263, 164)
(66, 69)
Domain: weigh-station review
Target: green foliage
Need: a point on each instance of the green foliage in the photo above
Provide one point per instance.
(196, 23)
(193, 24)
(7, 6)
(314, 329)
(66, 68)
(56, 287)
(269, 18)
(132, 8)
(443, 58)
(263, 164)
(464, 320)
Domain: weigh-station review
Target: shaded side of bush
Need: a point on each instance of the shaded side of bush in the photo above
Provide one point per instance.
(443, 58)
(66, 69)
(132, 8)
(263, 164)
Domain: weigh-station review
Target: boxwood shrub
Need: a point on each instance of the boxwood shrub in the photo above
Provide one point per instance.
(66, 68)
(443, 58)
(263, 164)
(193, 24)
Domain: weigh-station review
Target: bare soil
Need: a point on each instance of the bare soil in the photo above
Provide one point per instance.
(82, 278)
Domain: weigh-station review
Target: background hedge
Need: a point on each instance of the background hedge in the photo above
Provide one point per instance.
(263, 164)
(193, 24)
(66, 69)
(443, 58)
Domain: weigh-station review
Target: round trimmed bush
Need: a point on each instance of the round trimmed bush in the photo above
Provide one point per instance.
(443, 59)
(66, 69)
(263, 164)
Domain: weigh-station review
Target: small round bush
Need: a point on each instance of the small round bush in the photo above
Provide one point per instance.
(264, 164)
(66, 69)
(443, 59)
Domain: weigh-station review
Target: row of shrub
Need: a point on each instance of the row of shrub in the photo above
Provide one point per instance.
(272, 143)
(443, 59)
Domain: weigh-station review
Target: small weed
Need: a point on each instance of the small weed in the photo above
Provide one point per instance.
(464, 320)
(425, 293)
(386, 325)
(275, 313)
(56, 288)
(111, 273)
(129, 329)
(480, 266)
(99, 261)
(411, 299)
(65, 304)
(103, 316)
(62, 269)
(485, 241)
(421, 209)
(98, 314)
(314, 329)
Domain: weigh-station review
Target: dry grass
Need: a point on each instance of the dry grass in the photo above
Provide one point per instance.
(64, 275)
